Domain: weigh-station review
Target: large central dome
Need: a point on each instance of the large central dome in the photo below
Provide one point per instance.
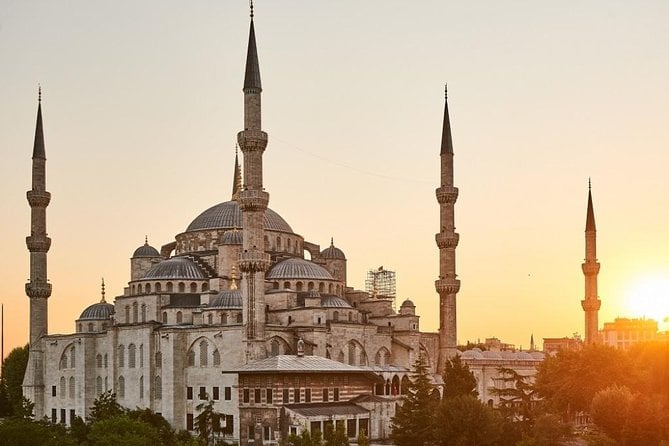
(228, 215)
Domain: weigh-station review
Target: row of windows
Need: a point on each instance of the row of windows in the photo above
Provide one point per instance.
(132, 355)
(169, 288)
(298, 395)
(353, 426)
(215, 393)
(91, 327)
(63, 412)
(204, 358)
(225, 423)
(311, 286)
(65, 385)
(222, 318)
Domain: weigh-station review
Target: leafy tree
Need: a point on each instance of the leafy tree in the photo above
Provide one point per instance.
(335, 436)
(458, 379)
(165, 431)
(548, 430)
(517, 395)
(207, 422)
(104, 407)
(609, 410)
(413, 422)
(463, 420)
(25, 409)
(24, 432)
(121, 430)
(79, 431)
(362, 438)
(13, 370)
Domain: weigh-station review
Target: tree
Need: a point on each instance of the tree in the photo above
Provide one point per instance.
(464, 420)
(362, 438)
(413, 422)
(548, 430)
(336, 436)
(207, 422)
(13, 370)
(458, 379)
(24, 432)
(121, 430)
(517, 396)
(165, 431)
(104, 407)
(610, 409)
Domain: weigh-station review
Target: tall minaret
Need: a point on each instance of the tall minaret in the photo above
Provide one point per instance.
(37, 289)
(253, 200)
(447, 240)
(591, 303)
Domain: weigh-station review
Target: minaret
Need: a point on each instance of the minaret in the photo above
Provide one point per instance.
(237, 178)
(253, 201)
(37, 289)
(590, 267)
(447, 240)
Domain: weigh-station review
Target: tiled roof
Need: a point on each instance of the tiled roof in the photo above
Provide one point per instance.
(297, 364)
(175, 268)
(228, 215)
(326, 409)
(98, 311)
(227, 299)
(295, 268)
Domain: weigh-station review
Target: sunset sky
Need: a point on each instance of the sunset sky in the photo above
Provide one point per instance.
(142, 102)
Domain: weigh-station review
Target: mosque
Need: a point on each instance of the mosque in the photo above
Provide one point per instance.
(232, 311)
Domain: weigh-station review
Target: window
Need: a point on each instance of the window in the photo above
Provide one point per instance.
(193, 287)
(98, 361)
(246, 395)
(307, 395)
(239, 318)
(90, 327)
(217, 357)
(189, 421)
(256, 396)
(296, 395)
(54, 416)
(179, 317)
(170, 287)
(286, 396)
(141, 355)
(229, 425)
(106, 361)
(267, 433)
(164, 317)
(143, 312)
(134, 311)
(216, 393)
(62, 416)
(224, 318)
(53, 390)
(62, 386)
(182, 287)
(98, 385)
(203, 393)
(335, 396)
(121, 387)
(127, 314)
(141, 387)
(210, 319)
(350, 428)
(106, 383)
(326, 394)
(203, 353)
(73, 358)
(121, 356)
(158, 387)
(251, 432)
(131, 356)
(71, 390)
(227, 393)
(189, 393)
(268, 396)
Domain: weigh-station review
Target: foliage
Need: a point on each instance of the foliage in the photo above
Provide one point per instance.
(517, 395)
(458, 379)
(121, 430)
(105, 407)
(610, 408)
(24, 432)
(470, 345)
(207, 422)
(464, 420)
(336, 436)
(165, 431)
(413, 422)
(548, 430)
(13, 370)
(79, 431)
(305, 439)
(362, 438)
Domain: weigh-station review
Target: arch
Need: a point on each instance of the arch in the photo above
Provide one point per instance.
(170, 287)
(335, 316)
(121, 356)
(133, 290)
(62, 387)
(131, 355)
(121, 387)
(298, 286)
(405, 382)
(159, 360)
(90, 327)
(435, 395)
(159, 287)
(378, 387)
(321, 287)
(210, 319)
(98, 361)
(71, 387)
(338, 292)
(147, 288)
(164, 317)
(143, 312)
(275, 285)
(224, 318)
(395, 385)
(98, 385)
(356, 353)
(382, 357)
(216, 358)
(62, 364)
(310, 286)
(135, 312)
(278, 243)
(193, 287)
(279, 346)
(286, 285)
(330, 288)
(180, 317)
(158, 387)
(205, 287)
(240, 318)
(182, 287)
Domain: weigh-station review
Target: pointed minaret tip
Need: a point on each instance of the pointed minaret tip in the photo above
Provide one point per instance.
(252, 82)
(237, 177)
(102, 291)
(590, 219)
(38, 146)
(446, 139)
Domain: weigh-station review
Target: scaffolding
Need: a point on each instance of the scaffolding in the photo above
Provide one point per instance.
(380, 283)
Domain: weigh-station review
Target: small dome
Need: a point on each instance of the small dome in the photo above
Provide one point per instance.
(98, 311)
(228, 215)
(146, 250)
(296, 268)
(233, 237)
(329, 301)
(227, 299)
(332, 252)
(175, 268)
(408, 303)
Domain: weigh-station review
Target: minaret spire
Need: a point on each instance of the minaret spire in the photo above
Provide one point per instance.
(253, 201)
(237, 177)
(590, 267)
(447, 240)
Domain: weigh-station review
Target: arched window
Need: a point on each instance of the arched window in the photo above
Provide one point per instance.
(182, 287)
(363, 358)
(193, 287)
(158, 387)
(340, 357)
(205, 287)
(98, 361)
(278, 243)
(143, 312)
(79, 328)
(73, 358)
(106, 384)
(121, 387)
(286, 285)
(210, 318)
(98, 385)
(274, 348)
(106, 361)
(141, 387)
(191, 358)
(179, 317)
(71, 390)
(350, 316)
(288, 241)
(170, 287)
(395, 386)
(330, 288)
(224, 318)
(335, 316)
(351, 353)
(164, 317)
(141, 355)
(159, 287)
(134, 312)
(133, 290)
(310, 286)
(321, 287)
(62, 387)
(217, 358)
(127, 314)
(121, 356)
(63, 361)
(239, 318)
(298, 286)
(159, 360)
(90, 327)
(204, 353)
(131, 356)
(147, 288)
(275, 285)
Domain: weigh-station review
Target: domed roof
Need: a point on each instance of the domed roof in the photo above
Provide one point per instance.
(329, 301)
(408, 303)
(98, 311)
(228, 215)
(175, 268)
(332, 252)
(227, 299)
(146, 250)
(233, 237)
(296, 268)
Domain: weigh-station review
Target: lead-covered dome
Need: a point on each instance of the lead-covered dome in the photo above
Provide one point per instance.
(296, 268)
(330, 301)
(98, 311)
(175, 268)
(233, 237)
(228, 215)
(227, 299)
(332, 252)
(146, 250)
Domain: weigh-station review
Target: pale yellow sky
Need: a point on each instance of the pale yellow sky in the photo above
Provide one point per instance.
(142, 103)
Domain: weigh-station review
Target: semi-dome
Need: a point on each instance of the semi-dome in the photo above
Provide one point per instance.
(228, 215)
(296, 268)
(98, 311)
(330, 301)
(408, 303)
(175, 268)
(227, 299)
(332, 252)
(146, 250)
(233, 237)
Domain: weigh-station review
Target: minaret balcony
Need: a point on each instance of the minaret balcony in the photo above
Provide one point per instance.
(38, 243)
(590, 268)
(38, 289)
(253, 200)
(447, 286)
(253, 261)
(447, 240)
(38, 198)
(447, 194)
(252, 140)
(591, 304)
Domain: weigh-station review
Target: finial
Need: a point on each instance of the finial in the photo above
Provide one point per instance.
(103, 291)
(251, 6)
(589, 185)
(331, 241)
(236, 149)
(39, 93)
(233, 278)
(146, 240)
(445, 91)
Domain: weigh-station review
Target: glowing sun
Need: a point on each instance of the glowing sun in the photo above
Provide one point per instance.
(649, 298)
